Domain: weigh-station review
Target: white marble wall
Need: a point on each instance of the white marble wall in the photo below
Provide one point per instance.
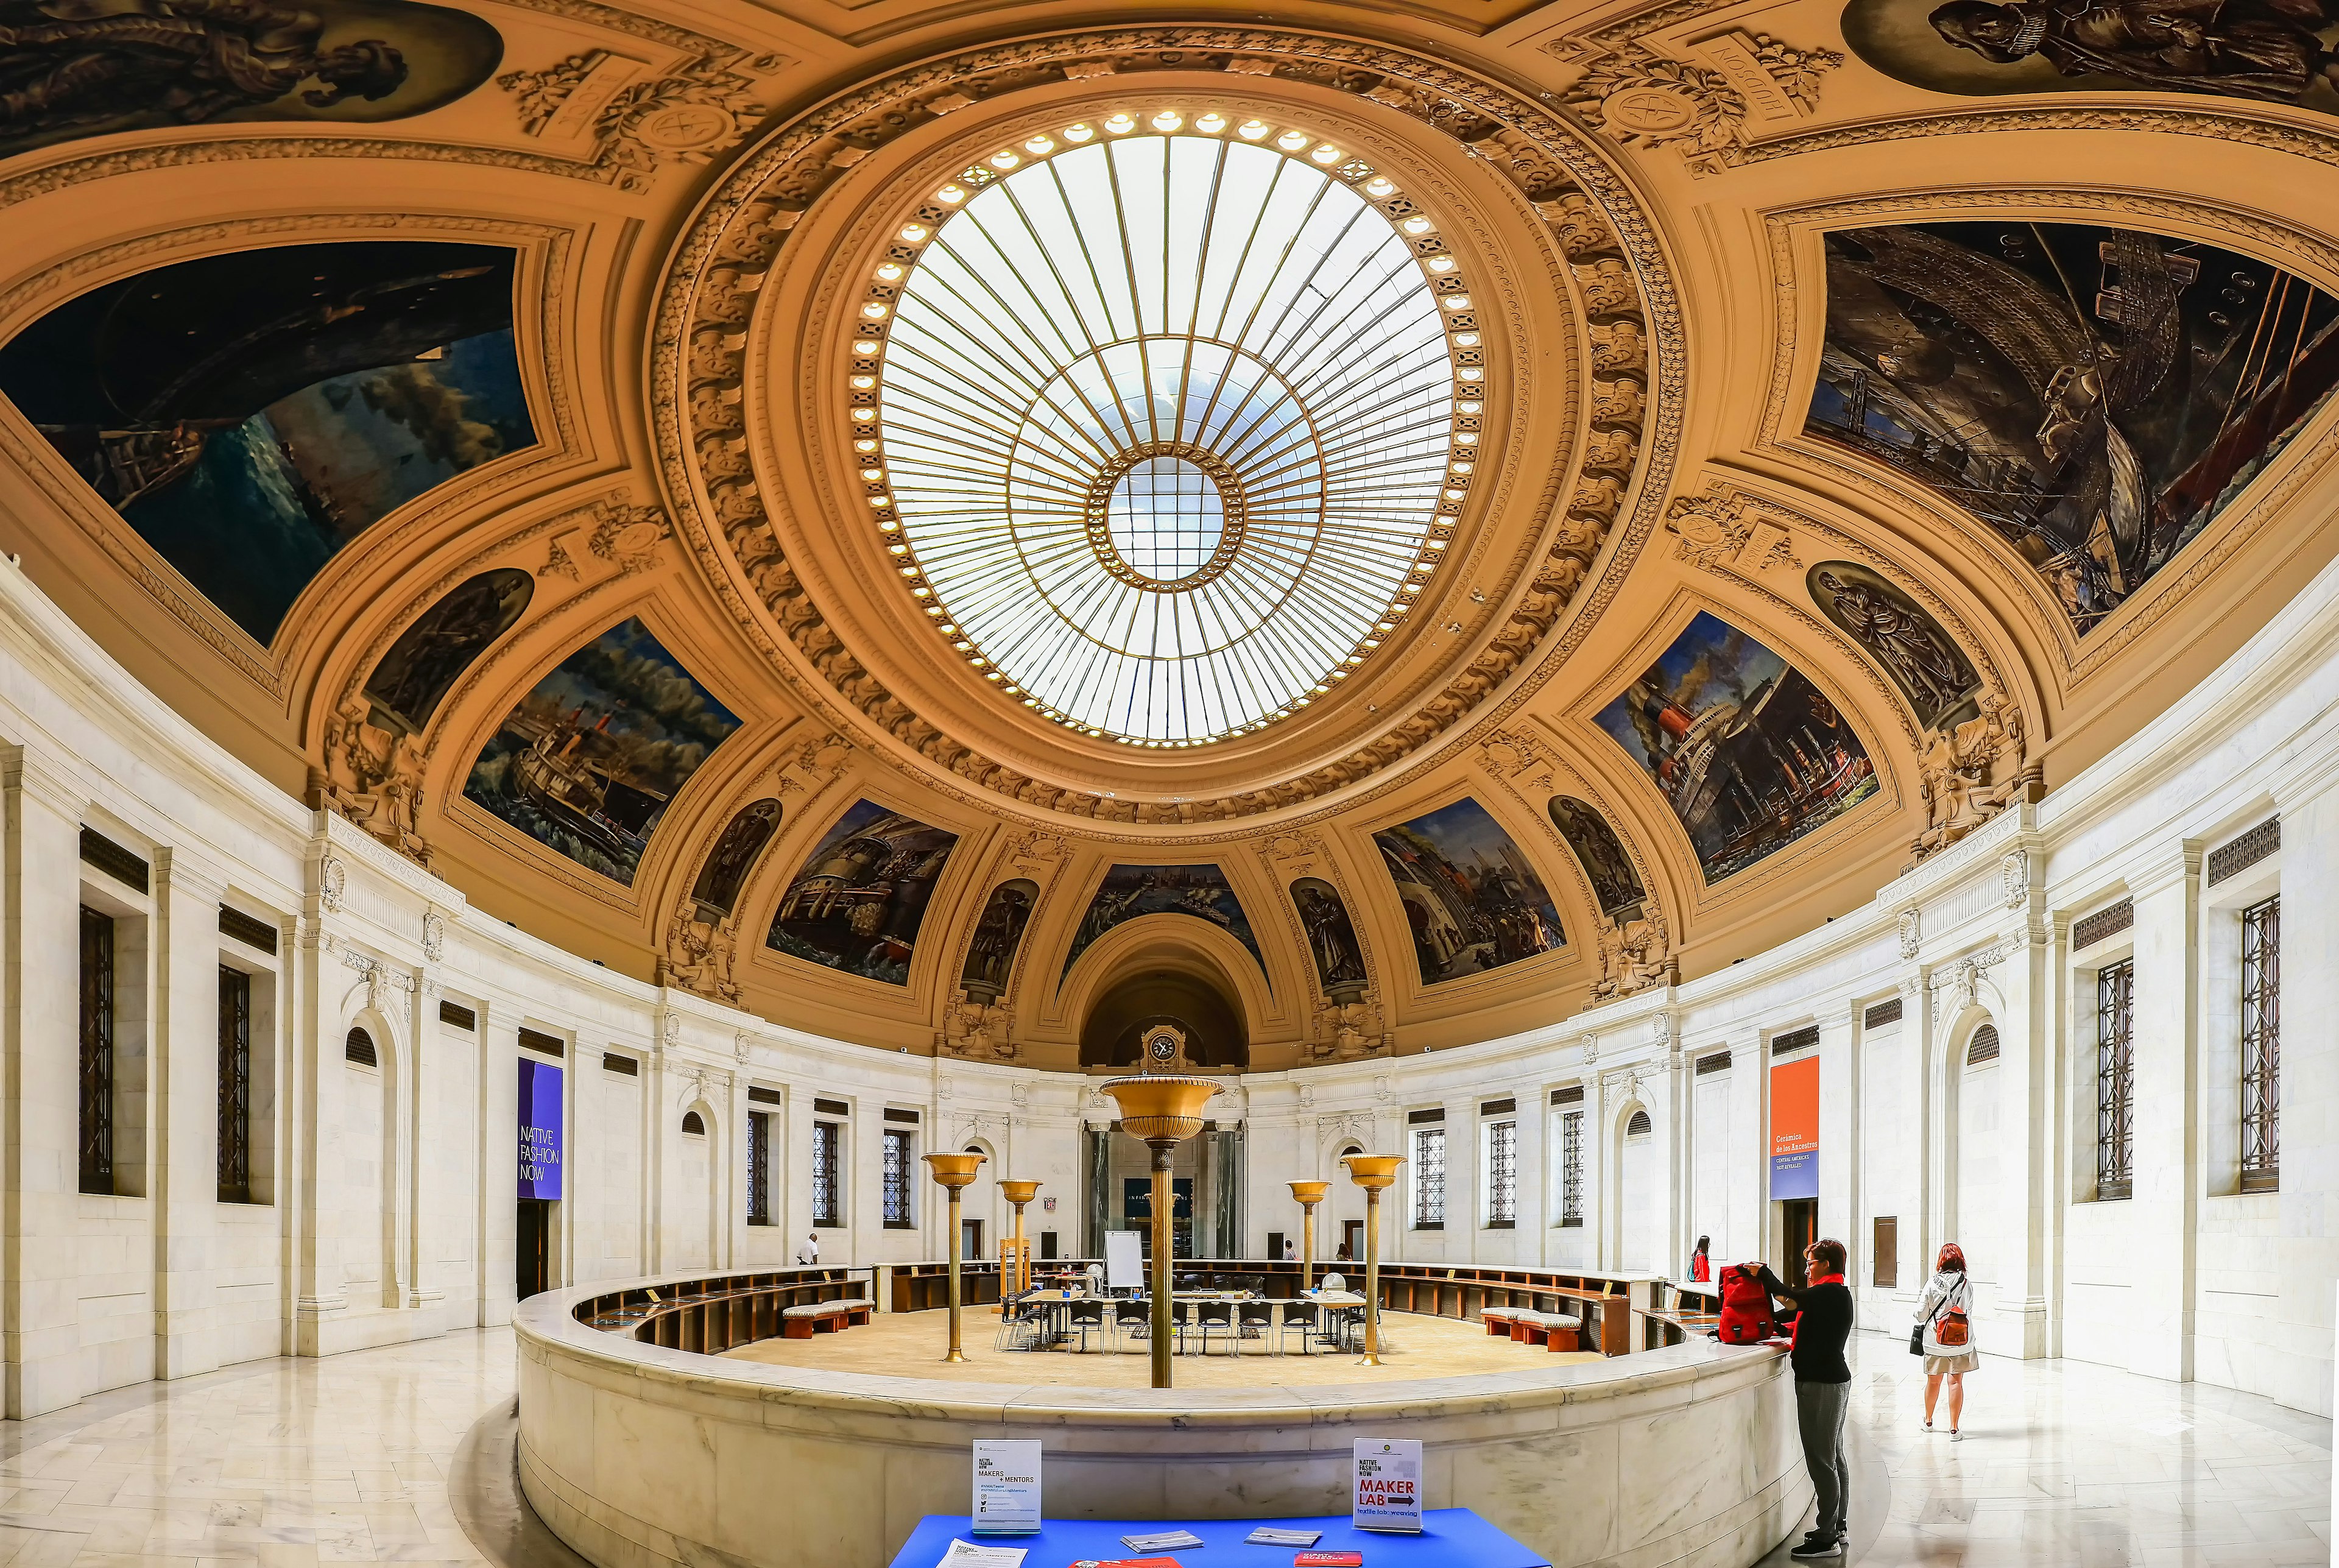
(388, 1208)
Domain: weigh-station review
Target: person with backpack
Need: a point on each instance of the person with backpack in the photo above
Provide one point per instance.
(1945, 1337)
(1822, 1388)
(1700, 1270)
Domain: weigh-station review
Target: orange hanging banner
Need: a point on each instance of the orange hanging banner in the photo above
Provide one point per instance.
(1795, 1128)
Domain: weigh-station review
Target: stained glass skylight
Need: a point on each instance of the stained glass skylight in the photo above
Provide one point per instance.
(1167, 421)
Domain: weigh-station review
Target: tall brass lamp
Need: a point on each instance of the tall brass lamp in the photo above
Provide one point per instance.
(956, 1173)
(1163, 1111)
(1374, 1173)
(1308, 1194)
(1018, 1193)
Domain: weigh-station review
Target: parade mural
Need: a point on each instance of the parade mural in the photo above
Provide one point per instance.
(1472, 900)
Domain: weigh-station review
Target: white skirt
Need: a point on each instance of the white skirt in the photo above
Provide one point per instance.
(1941, 1365)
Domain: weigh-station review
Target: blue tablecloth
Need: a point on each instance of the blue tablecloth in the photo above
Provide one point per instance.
(1449, 1538)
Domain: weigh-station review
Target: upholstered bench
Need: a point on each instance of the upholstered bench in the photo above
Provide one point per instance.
(1498, 1320)
(1552, 1330)
(823, 1317)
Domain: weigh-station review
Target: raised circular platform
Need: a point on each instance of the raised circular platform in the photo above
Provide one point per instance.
(640, 1455)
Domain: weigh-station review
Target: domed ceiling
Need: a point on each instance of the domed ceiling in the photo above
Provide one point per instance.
(1358, 529)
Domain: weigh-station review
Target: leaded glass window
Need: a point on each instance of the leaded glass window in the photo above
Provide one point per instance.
(234, 1086)
(96, 1051)
(1429, 1178)
(1502, 1175)
(2261, 1045)
(897, 1179)
(1571, 1168)
(2115, 1080)
(759, 1167)
(827, 1194)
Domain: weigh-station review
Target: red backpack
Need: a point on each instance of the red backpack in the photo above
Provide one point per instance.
(1746, 1318)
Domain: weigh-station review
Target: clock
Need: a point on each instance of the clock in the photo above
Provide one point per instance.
(1162, 1047)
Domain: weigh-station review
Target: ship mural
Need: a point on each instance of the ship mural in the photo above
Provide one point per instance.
(1747, 753)
(587, 761)
(861, 899)
(1472, 900)
(250, 414)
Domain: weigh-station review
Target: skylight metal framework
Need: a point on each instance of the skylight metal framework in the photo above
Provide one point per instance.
(1167, 419)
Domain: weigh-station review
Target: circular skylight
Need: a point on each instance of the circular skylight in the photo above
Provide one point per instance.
(1162, 428)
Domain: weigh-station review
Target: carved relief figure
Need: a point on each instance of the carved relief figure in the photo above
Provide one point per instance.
(429, 657)
(76, 68)
(587, 763)
(1615, 885)
(2274, 51)
(2095, 395)
(1331, 938)
(250, 414)
(1471, 898)
(700, 952)
(991, 953)
(1747, 753)
(1969, 773)
(373, 776)
(733, 856)
(861, 898)
(1923, 660)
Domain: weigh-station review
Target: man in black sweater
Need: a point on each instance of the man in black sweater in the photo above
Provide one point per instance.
(1822, 1386)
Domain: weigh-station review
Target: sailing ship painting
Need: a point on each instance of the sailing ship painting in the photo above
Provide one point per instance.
(1747, 753)
(588, 760)
(2095, 395)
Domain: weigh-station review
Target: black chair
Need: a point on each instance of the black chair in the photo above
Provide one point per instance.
(1132, 1320)
(1304, 1315)
(1254, 1319)
(1084, 1318)
(1218, 1314)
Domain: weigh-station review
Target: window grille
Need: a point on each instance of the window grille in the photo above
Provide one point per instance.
(2246, 850)
(1639, 1127)
(124, 866)
(897, 1179)
(2261, 1045)
(536, 1039)
(454, 1015)
(1572, 1095)
(694, 1124)
(1498, 1107)
(1882, 1013)
(827, 1207)
(1718, 1062)
(759, 1167)
(1796, 1040)
(234, 1086)
(614, 1061)
(1571, 1168)
(1983, 1046)
(1429, 1178)
(247, 930)
(762, 1096)
(357, 1049)
(1502, 1175)
(96, 1049)
(2105, 923)
(2115, 1080)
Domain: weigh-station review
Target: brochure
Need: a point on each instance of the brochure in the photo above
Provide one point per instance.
(1269, 1535)
(1163, 1540)
(1007, 1488)
(1126, 1562)
(1388, 1484)
(967, 1554)
(1328, 1560)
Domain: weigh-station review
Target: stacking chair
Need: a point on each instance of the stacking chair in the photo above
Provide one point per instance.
(1018, 1325)
(1130, 1321)
(1254, 1320)
(1304, 1315)
(1219, 1316)
(1084, 1318)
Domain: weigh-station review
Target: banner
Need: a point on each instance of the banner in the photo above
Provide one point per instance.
(540, 1129)
(1795, 1128)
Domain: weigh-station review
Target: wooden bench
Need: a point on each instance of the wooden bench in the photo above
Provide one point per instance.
(823, 1317)
(1498, 1320)
(1552, 1330)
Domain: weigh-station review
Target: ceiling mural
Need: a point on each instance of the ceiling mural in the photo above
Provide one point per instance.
(1747, 752)
(1101, 458)
(861, 899)
(1472, 900)
(2095, 394)
(587, 761)
(72, 71)
(251, 414)
(2273, 51)
(1195, 891)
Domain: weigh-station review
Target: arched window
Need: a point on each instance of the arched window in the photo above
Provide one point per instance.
(1984, 1047)
(359, 1048)
(692, 1125)
(1639, 1126)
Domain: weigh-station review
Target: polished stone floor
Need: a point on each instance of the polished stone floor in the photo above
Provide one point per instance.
(403, 1455)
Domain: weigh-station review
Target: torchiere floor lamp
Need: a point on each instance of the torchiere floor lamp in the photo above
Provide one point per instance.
(1163, 1110)
(1374, 1173)
(1018, 1193)
(1308, 1194)
(955, 1172)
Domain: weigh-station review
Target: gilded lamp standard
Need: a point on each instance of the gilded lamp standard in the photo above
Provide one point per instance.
(1374, 1173)
(955, 1172)
(1308, 1194)
(1018, 1193)
(1163, 1110)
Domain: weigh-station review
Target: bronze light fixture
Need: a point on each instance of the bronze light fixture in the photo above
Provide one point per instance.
(955, 1172)
(1374, 1173)
(1163, 1110)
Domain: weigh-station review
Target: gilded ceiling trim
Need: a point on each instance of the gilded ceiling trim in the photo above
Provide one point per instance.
(1788, 230)
(2120, 111)
(709, 301)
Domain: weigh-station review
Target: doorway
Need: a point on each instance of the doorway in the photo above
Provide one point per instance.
(535, 1247)
(1352, 1236)
(969, 1238)
(1799, 1226)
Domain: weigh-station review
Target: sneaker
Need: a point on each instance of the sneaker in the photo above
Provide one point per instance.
(1956, 1435)
(1817, 1547)
(1929, 1429)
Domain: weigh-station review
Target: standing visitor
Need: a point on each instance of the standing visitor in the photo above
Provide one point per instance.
(809, 1253)
(1946, 1338)
(1290, 1251)
(1822, 1386)
(1701, 1272)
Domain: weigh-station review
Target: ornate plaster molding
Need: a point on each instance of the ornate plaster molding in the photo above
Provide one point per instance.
(1642, 98)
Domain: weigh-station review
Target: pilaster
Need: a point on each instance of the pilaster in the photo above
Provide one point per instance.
(2165, 1208)
(1839, 1024)
(185, 1081)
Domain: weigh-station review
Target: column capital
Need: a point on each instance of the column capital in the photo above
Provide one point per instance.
(191, 875)
(2163, 866)
(44, 779)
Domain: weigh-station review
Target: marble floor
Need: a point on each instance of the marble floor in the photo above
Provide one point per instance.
(894, 1344)
(403, 1455)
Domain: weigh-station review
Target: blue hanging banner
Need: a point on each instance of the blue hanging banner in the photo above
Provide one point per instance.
(540, 1129)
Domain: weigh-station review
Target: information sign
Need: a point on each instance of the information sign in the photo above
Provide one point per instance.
(1795, 1128)
(1388, 1484)
(1007, 1488)
(540, 1129)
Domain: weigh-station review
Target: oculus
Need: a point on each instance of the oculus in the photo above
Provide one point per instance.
(1127, 891)
(2095, 395)
(861, 898)
(1472, 900)
(588, 761)
(1747, 753)
(1160, 418)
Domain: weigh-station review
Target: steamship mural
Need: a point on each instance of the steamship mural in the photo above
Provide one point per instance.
(1747, 753)
(2097, 396)
(861, 898)
(587, 761)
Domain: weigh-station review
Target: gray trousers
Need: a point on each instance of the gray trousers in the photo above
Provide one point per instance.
(1819, 1415)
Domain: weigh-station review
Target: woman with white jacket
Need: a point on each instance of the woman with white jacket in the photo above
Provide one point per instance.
(1947, 1308)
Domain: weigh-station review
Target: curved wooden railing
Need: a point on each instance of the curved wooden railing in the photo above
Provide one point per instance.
(718, 1312)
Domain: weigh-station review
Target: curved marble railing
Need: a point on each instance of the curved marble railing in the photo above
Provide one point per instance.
(642, 1456)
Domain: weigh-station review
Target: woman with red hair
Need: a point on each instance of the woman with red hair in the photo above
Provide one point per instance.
(1947, 1338)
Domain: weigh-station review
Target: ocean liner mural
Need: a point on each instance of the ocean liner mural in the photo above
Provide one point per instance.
(859, 901)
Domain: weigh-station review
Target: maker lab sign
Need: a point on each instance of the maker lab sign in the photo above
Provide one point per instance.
(540, 1129)
(1387, 1485)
